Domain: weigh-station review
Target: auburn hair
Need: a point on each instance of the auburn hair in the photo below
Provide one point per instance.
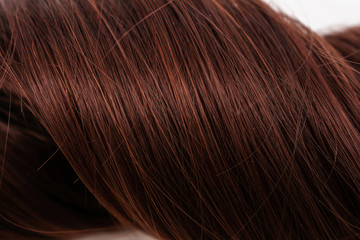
(185, 119)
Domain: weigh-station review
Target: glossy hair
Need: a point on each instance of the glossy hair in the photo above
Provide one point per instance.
(187, 119)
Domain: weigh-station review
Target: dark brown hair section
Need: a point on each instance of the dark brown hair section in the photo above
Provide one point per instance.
(187, 119)
(37, 203)
(347, 42)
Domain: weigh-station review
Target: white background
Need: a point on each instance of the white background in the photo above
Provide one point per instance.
(321, 16)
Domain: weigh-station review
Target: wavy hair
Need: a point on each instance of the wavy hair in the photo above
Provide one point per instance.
(186, 119)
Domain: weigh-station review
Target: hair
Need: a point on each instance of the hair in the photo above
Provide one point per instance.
(186, 119)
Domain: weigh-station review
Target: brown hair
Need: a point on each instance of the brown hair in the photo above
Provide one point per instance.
(188, 119)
